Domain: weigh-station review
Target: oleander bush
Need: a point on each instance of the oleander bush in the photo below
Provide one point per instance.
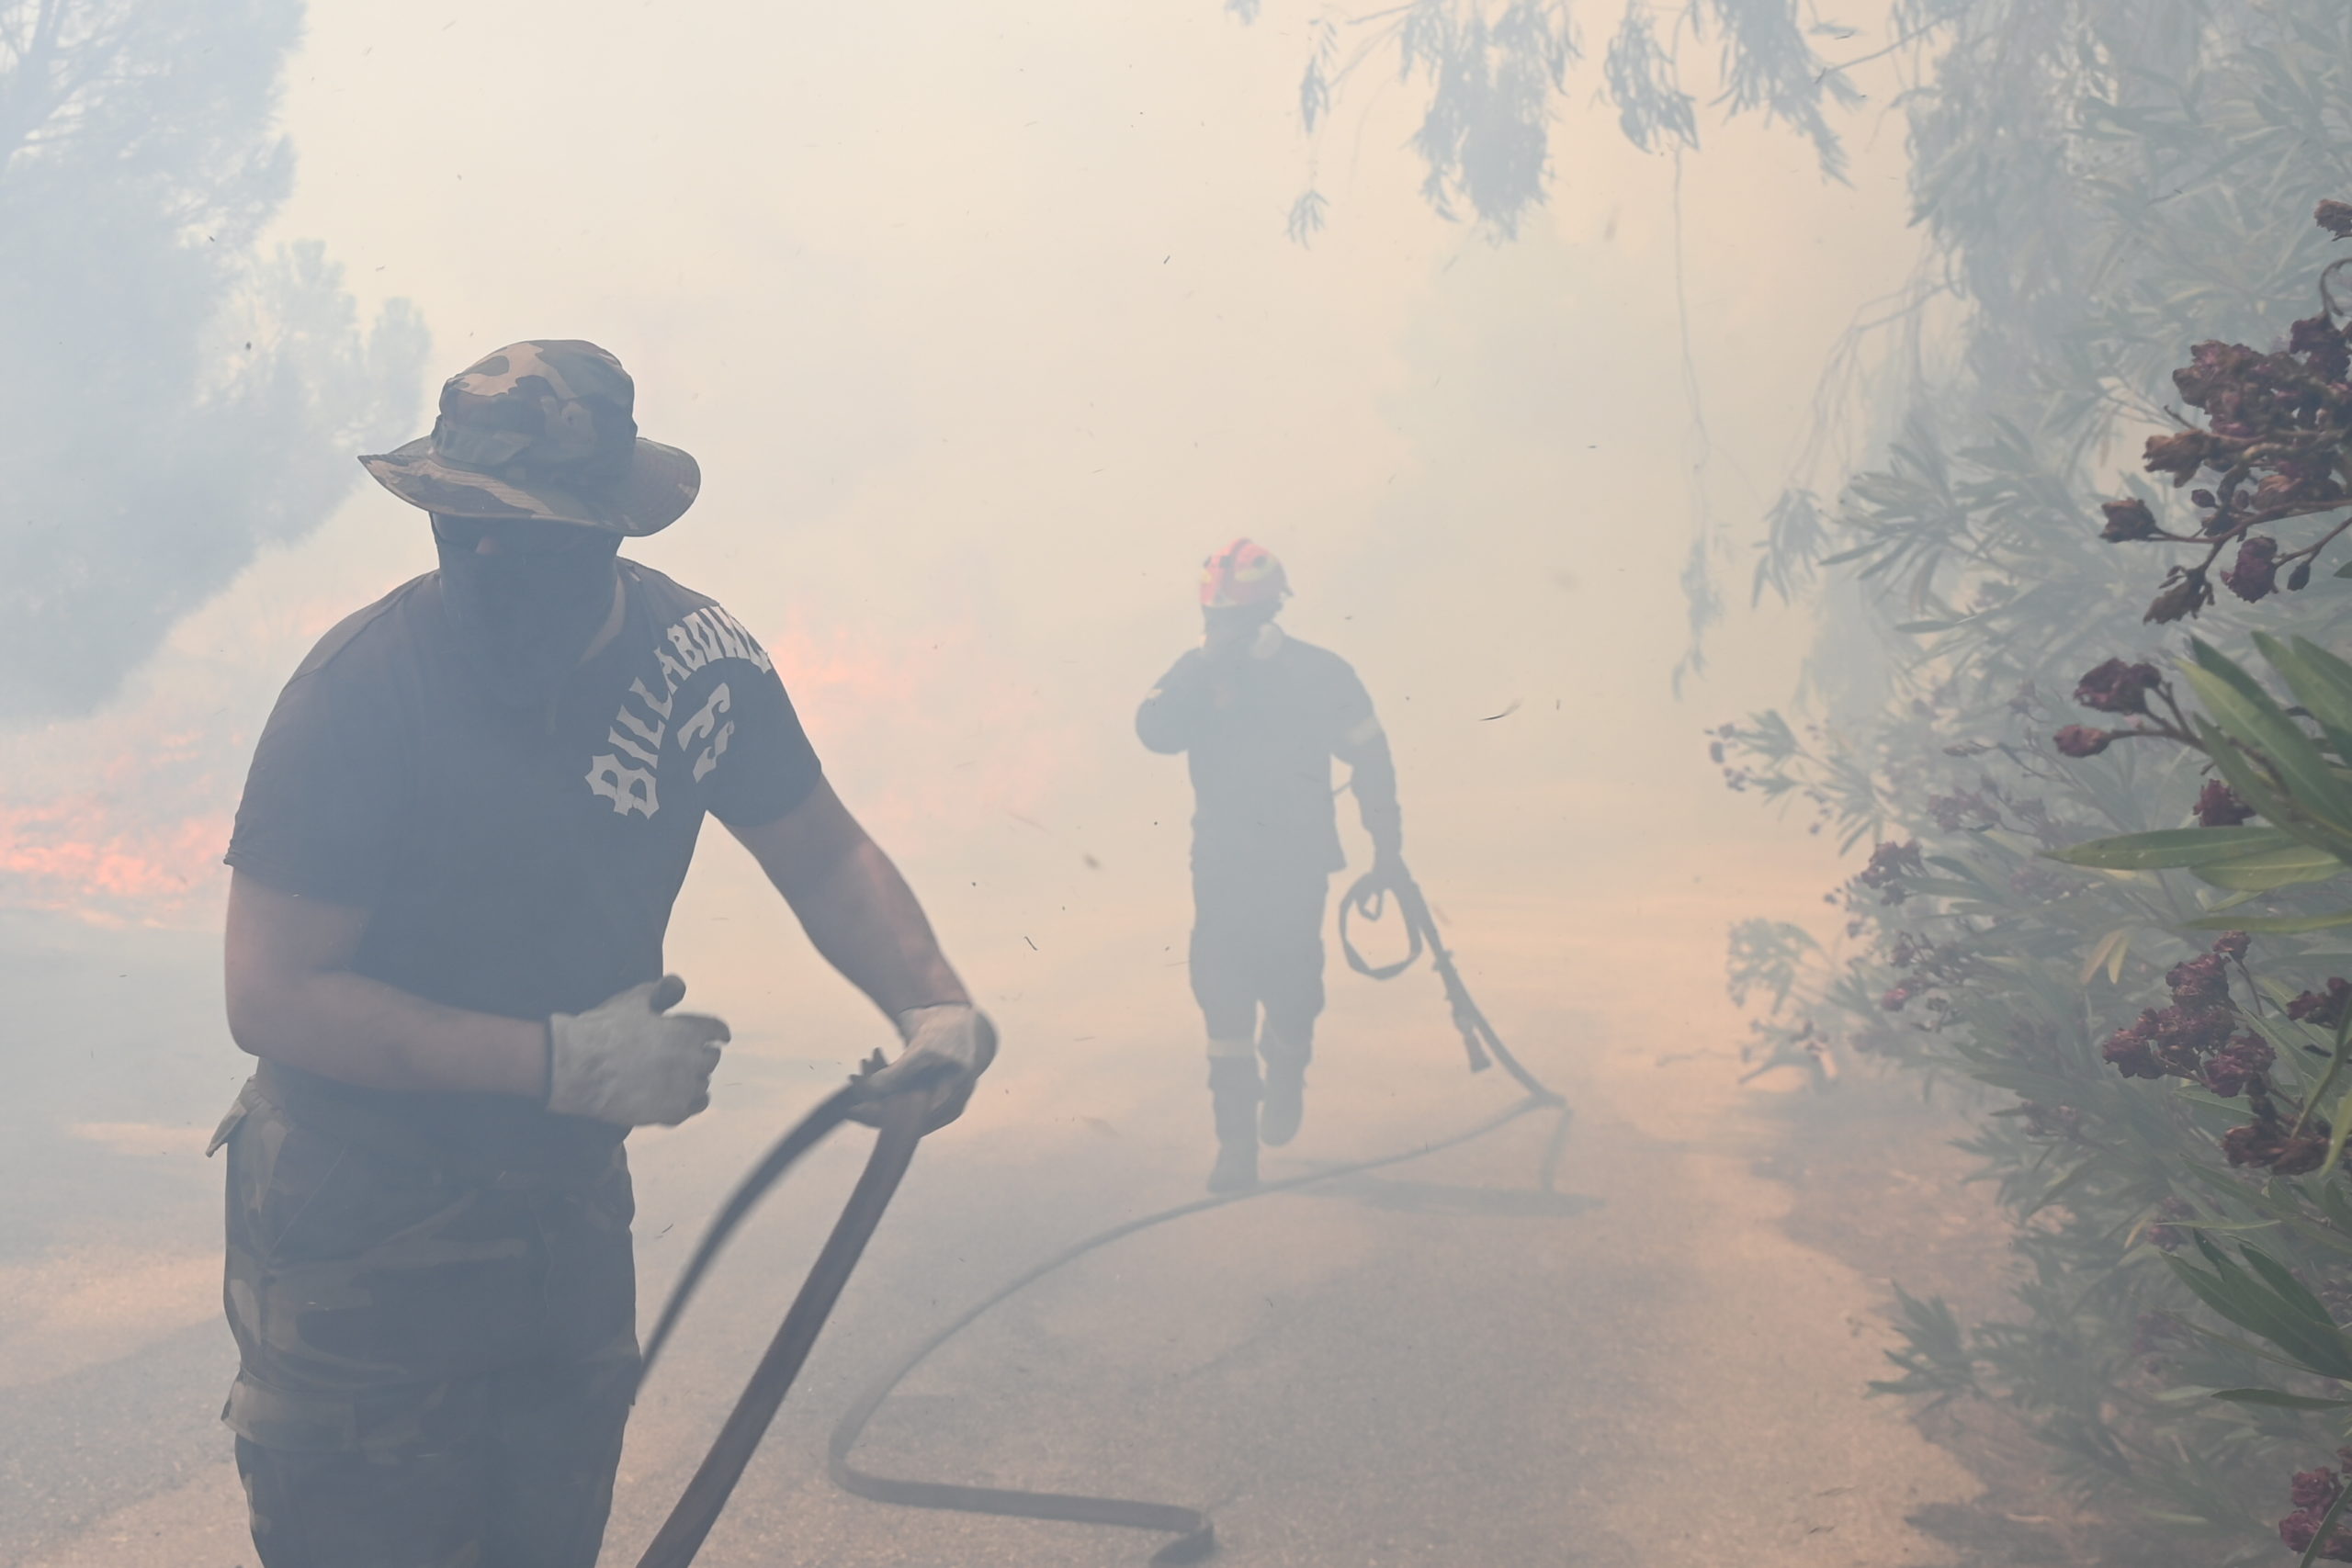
(2083, 697)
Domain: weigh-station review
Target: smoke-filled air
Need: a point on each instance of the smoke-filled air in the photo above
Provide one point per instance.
(1481, 784)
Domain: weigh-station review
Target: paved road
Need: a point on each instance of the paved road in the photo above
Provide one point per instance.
(1430, 1365)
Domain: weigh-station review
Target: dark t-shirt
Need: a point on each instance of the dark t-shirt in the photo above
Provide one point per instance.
(513, 863)
(1260, 734)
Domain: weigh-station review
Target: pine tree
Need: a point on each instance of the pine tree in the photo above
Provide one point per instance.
(173, 398)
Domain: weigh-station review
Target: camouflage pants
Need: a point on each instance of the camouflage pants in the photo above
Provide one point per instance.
(435, 1368)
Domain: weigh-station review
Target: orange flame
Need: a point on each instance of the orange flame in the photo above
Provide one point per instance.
(144, 847)
(919, 737)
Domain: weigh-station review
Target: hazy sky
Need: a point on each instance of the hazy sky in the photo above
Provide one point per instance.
(983, 326)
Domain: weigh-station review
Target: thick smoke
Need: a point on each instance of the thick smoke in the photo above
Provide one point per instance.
(174, 399)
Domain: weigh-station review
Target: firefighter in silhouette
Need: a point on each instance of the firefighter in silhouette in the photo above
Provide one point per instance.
(1260, 715)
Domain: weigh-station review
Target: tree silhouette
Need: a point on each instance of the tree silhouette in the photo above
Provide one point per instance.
(173, 400)
(1490, 74)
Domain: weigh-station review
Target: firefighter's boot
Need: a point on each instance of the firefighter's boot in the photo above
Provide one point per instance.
(1233, 1092)
(1286, 1098)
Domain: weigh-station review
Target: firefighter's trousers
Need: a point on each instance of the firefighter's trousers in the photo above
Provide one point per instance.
(1257, 945)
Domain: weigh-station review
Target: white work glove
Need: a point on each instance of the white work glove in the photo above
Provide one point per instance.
(629, 1060)
(948, 1046)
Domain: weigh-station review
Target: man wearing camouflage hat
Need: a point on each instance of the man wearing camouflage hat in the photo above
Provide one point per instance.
(453, 866)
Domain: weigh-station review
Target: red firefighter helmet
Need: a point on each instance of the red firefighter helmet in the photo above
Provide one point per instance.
(1242, 573)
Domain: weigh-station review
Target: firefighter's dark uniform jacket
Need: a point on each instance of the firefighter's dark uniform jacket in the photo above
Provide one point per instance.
(1259, 731)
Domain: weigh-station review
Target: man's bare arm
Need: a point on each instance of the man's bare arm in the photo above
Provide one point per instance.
(856, 909)
(292, 999)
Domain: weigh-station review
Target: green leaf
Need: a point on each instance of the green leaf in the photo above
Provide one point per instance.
(2051, 1195)
(2326, 1526)
(2113, 948)
(2283, 925)
(2183, 1393)
(2237, 771)
(2174, 847)
(2245, 1301)
(2339, 1207)
(2287, 1288)
(2262, 1296)
(2254, 719)
(2323, 662)
(2274, 1397)
(2266, 871)
(2210, 660)
(2343, 1120)
(2243, 1347)
(2226, 1293)
(2321, 682)
(1949, 887)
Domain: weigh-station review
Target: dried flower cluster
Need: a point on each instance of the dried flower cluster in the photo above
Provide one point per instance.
(2218, 805)
(2197, 1038)
(1890, 864)
(2169, 1237)
(2277, 444)
(1929, 971)
(2324, 1009)
(2117, 687)
(2124, 689)
(2313, 1492)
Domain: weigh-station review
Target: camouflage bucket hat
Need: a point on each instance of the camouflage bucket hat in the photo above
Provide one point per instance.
(543, 429)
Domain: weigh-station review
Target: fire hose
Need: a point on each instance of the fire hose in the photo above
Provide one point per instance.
(706, 1494)
(1368, 899)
